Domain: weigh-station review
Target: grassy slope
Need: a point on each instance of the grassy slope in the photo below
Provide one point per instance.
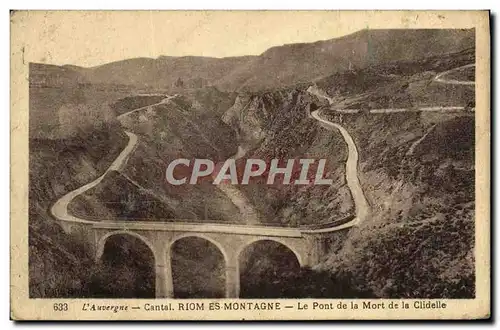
(162, 72)
(129, 103)
(118, 198)
(187, 127)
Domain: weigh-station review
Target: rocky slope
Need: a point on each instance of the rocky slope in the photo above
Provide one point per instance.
(276, 125)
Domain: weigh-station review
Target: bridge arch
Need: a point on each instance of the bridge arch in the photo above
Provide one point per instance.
(101, 244)
(202, 236)
(283, 242)
(265, 266)
(209, 281)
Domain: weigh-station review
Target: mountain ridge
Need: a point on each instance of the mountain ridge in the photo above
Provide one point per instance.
(282, 65)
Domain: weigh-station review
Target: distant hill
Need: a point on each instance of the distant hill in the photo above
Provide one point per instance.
(282, 65)
(63, 104)
(295, 63)
(47, 75)
(164, 71)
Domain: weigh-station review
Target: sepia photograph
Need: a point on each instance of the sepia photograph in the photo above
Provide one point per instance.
(183, 164)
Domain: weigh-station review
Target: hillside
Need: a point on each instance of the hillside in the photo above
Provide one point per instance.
(46, 75)
(73, 138)
(416, 169)
(403, 84)
(297, 63)
(58, 262)
(423, 202)
(117, 197)
(187, 126)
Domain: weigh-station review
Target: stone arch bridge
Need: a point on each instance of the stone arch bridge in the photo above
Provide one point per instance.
(308, 245)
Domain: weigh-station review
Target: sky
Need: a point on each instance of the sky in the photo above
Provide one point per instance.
(98, 37)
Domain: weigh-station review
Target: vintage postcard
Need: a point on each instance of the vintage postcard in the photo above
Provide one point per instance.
(250, 165)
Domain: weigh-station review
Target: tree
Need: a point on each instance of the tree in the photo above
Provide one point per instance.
(179, 83)
(83, 117)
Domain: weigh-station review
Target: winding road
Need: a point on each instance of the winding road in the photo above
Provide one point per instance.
(165, 100)
(60, 208)
(360, 203)
(439, 78)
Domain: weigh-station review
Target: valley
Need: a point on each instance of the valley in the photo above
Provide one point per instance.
(397, 136)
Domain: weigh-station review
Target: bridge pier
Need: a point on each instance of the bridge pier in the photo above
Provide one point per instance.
(164, 287)
(315, 249)
(232, 278)
(161, 290)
